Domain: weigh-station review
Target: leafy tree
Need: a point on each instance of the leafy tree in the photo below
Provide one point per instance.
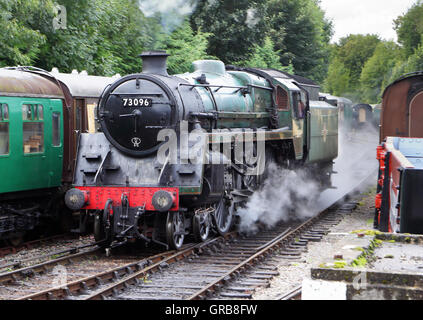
(235, 27)
(185, 46)
(102, 37)
(376, 71)
(301, 33)
(354, 51)
(412, 64)
(20, 43)
(266, 57)
(409, 28)
(338, 78)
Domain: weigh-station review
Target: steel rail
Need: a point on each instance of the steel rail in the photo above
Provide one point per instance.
(270, 248)
(294, 294)
(82, 285)
(7, 250)
(18, 263)
(181, 255)
(18, 274)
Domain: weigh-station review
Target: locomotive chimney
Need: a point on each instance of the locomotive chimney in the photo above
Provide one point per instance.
(154, 62)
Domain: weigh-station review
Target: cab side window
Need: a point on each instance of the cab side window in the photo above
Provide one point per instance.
(4, 129)
(282, 100)
(300, 100)
(33, 128)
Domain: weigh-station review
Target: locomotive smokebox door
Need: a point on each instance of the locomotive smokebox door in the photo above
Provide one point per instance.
(137, 107)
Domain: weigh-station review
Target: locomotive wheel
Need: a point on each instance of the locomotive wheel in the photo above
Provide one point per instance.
(16, 240)
(175, 230)
(102, 223)
(223, 216)
(201, 227)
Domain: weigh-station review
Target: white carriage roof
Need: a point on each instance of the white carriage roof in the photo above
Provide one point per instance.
(82, 84)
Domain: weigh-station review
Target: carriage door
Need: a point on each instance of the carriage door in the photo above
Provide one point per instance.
(55, 139)
(80, 120)
(416, 116)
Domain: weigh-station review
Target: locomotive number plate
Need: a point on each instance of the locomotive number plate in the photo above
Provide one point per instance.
(137, 102)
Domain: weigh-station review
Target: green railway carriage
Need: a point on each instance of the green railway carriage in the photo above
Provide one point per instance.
(31, 155)
(31, 147)
(40, 119)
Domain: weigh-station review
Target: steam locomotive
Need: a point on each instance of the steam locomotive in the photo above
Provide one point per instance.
(177, 155)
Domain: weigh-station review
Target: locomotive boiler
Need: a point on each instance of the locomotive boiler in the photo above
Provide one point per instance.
(178, 155)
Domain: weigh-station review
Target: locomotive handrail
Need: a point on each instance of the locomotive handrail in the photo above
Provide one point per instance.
(226, 87)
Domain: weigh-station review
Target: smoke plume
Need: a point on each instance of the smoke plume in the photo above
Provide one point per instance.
(172, 12)
(294, 195)
(286, 195)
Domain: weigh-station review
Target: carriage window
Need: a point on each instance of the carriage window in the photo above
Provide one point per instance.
(33, 128)
(26, 112)
(4, 138)
(4, 129)
(32, 112)
(4, 111)
(56, 129)
(40, 112)
(282, 99)
(33, 136)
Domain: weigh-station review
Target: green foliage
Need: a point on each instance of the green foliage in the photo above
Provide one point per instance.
(377, 71)
(266, 57)
(300, 31)
(20, 43)
(184, 47)
(235, 27)
(102, 37)
(105, 37)
(362, 66)
(409, 28)
(354, 51)
(338, 78)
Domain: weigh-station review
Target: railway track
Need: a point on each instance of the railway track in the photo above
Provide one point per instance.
(7, 250)
(230, 267)
(224, 267)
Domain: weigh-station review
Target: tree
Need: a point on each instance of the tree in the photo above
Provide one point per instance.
(409, 28)
(266, 57)
(102, 37)
(354, 51)
(185, 46)
(235, 27)
(20, 43)
(377, 71)
(301, 33)
(338, 78)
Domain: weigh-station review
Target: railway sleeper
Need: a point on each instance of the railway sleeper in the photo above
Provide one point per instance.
(236, 295)
(247, 289)
(259, 276)
(253, 282)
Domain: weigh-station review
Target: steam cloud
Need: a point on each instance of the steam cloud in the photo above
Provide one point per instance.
(171, 12)
(286, 195)
(295, 195)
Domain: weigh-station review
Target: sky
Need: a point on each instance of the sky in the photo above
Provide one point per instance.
(365, 16)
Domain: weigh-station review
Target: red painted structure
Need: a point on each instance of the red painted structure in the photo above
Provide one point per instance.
(96, 197)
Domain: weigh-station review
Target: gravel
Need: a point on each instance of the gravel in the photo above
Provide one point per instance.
(292, 272)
